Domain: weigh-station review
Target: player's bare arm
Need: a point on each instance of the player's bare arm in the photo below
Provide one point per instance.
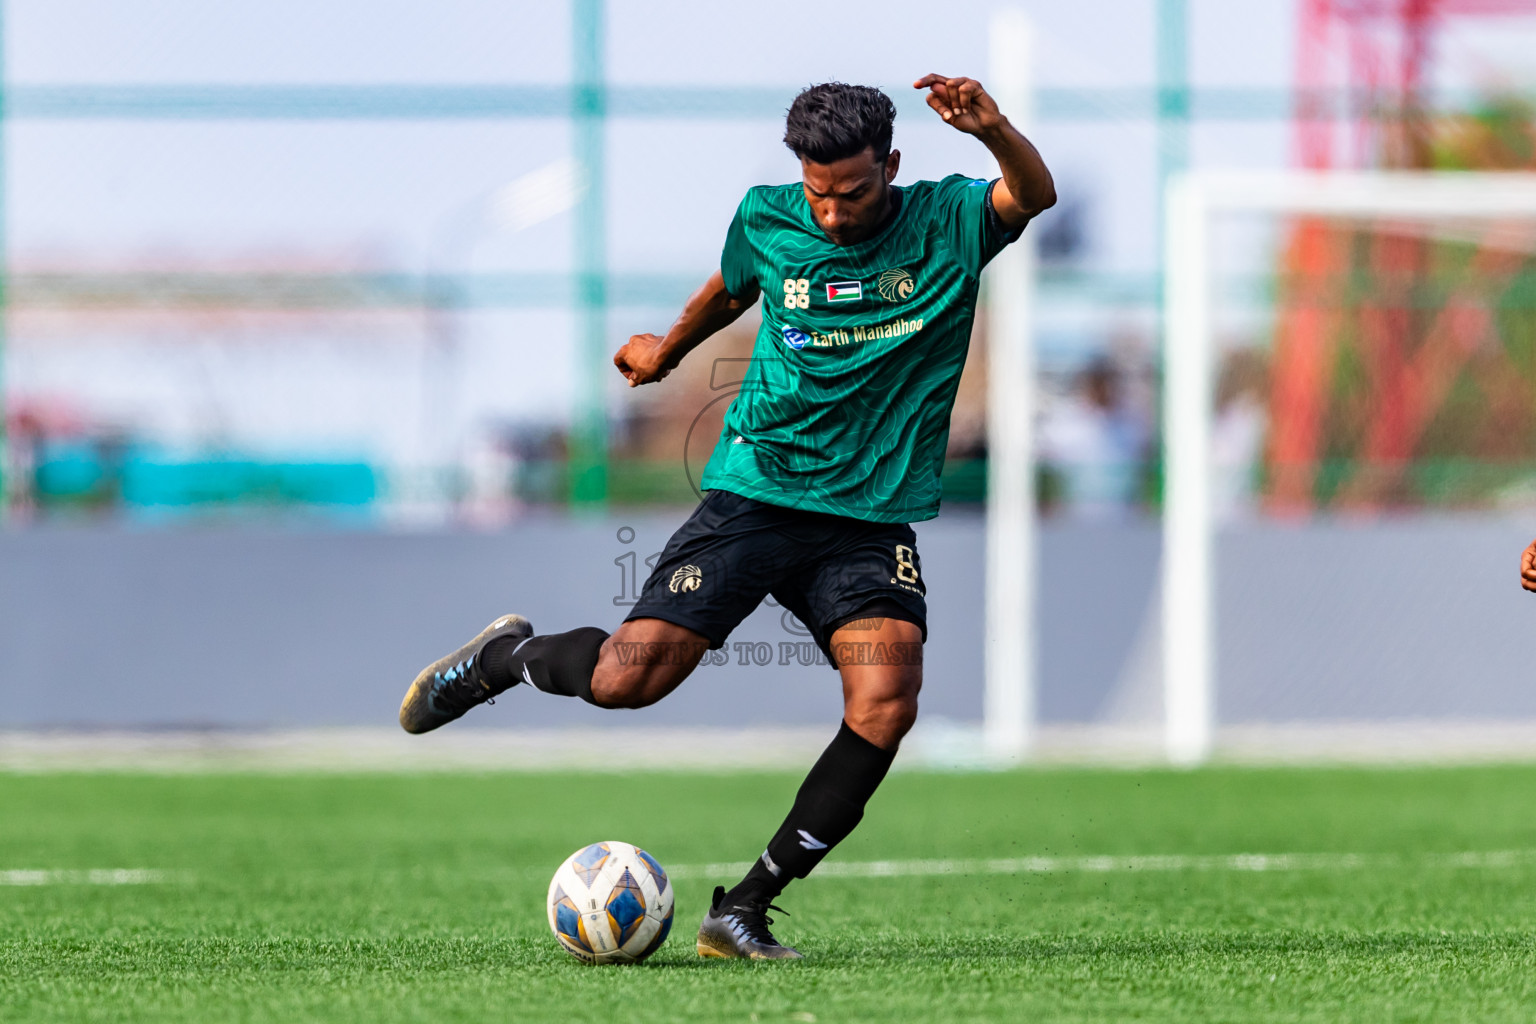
(1528, 568)
(646, 358)
(1026, 188)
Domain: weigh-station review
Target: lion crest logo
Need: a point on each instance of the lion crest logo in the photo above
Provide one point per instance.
(896, 286)
(686, 580)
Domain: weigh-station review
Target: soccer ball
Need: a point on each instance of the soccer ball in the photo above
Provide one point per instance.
(610, 903)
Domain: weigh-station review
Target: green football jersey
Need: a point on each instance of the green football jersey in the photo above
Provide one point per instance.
(845, 405)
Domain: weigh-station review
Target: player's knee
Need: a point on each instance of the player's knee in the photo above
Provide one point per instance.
(884, 722)
(900, 716)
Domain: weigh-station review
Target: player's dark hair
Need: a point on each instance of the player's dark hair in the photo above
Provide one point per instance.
(833, 121)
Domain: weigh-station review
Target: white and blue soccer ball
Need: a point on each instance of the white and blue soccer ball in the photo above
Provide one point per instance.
(610, 903)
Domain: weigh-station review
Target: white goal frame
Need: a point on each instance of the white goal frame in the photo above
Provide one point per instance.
(1010, 634)
(1189, 355)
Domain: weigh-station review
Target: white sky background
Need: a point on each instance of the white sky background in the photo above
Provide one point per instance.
(115, 192)
(389, 187)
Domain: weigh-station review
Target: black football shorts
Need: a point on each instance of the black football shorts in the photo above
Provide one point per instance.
(827, 570)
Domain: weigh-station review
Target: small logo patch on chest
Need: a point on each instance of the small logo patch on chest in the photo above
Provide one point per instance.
(845, 291)
(896, 285)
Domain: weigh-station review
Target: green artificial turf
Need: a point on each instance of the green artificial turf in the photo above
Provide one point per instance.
(421, 898)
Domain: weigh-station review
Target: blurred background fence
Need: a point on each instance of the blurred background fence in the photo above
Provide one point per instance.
(309, 307)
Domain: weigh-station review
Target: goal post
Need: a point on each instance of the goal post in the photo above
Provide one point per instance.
(1193, 201)
(1009, 654)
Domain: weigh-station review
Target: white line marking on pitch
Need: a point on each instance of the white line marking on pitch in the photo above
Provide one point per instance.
(1164, 862)
(109, 876)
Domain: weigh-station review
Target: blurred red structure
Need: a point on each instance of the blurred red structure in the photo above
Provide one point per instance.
(1377, 54)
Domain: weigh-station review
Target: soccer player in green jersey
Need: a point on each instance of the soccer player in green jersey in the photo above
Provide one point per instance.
(832, 448)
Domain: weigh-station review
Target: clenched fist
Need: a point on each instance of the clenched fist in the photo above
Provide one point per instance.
(642, 359)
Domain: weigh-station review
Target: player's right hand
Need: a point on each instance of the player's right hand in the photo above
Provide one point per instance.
(1528, 568)
(642, 360)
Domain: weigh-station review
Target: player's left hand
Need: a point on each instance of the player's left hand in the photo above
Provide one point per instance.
(1528, 568)
(962, 103)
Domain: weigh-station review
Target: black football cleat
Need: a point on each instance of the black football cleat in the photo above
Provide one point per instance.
(740, 931)
(450, 686)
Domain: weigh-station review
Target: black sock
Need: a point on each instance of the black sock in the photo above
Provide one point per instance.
(828, 807)
(560, 663)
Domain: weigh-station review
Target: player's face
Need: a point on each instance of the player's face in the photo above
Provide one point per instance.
(849, 197)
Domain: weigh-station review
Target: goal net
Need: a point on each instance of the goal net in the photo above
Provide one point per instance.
(1350, 423)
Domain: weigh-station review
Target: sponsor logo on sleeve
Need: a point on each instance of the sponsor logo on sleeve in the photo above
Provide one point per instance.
(845, 291)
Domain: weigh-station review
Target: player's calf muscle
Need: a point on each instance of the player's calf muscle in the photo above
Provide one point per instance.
(635, 675)
(635, 686)
(658, 652)
(643, 662)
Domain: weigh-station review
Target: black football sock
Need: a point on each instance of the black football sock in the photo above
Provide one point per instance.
(560, 663)
(828, 807)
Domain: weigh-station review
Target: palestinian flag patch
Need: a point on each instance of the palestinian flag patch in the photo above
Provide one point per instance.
(845, 291)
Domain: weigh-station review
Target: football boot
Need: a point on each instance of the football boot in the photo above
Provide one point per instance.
(740, 931)
(451, 685)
